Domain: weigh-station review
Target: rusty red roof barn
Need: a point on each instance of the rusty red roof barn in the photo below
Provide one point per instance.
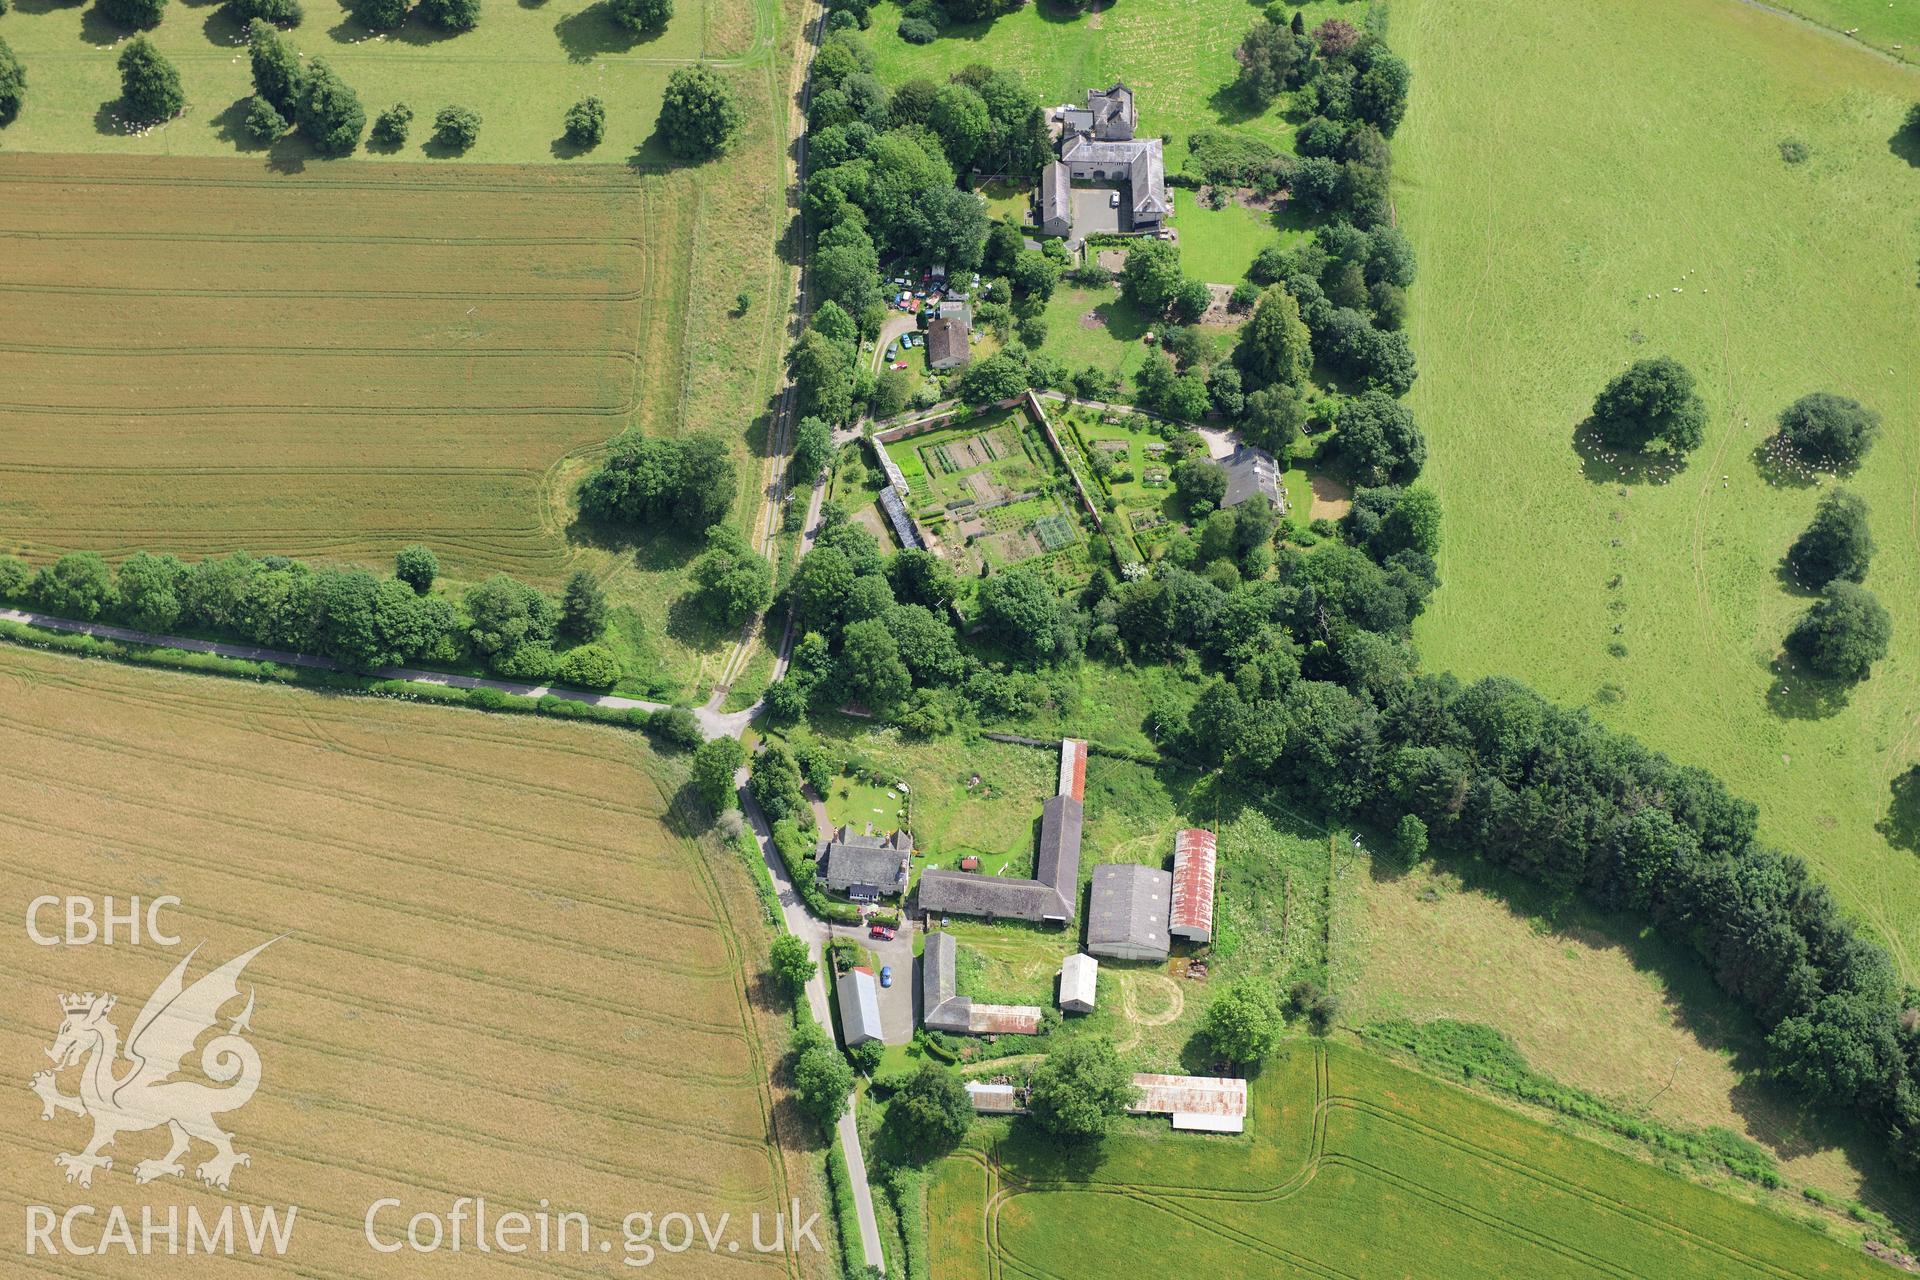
(1073, 769)
(1193, 873)
(1210, 1104)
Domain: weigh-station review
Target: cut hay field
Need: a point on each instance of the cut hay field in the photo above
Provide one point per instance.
(198, 356)
(1594, 1001)
(498, 969)
(1639, 156)
(520, 69)
(1352, 1167)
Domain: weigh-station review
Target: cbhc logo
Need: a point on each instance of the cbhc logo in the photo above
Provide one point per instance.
(85, 926)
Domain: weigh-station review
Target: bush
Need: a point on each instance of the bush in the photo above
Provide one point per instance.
(586, 122)
(1829, 430)
(456, 127)
(390, 127)
(141, 15)
(676, 727)
(281, 13)
(329, 113)
(263, 124)
(590, 666)
(699, 114)
(917, 31)
(647, 17)
(380, 15)
(451, 15)
(149, 84)
(13, 83)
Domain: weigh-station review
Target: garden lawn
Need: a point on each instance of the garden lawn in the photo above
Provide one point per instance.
(1546, 268)
(1218, 245)
(1176, 55)
(1447, 1185)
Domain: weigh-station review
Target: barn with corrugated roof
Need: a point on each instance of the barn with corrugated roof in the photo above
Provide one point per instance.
(1194, 866)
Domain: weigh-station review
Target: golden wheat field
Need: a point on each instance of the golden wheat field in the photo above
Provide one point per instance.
(203, 355)
(498, 971)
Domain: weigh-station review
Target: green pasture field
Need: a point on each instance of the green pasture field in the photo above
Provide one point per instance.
(1892, 28)
(1177, 56)
(520, 68)
(1546, 268)
(1446, 1184)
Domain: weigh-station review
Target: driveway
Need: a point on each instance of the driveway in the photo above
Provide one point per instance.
(1094, 213)
(896, 323)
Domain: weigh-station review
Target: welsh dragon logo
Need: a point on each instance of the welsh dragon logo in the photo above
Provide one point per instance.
(144, 1096)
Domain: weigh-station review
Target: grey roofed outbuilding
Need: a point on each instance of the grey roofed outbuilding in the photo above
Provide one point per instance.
(1058, 865)
(1056, 199)
(855, 859)
(941, 1005)
(1079, 978)
(1251, 472)
(965, 893)
(1051, 897)
(947, 343)
(859, 997)
(1127, 915)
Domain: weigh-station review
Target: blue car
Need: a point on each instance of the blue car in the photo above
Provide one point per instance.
(886, 975)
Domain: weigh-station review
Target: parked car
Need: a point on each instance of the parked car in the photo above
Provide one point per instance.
(1113, 199)
(881, 932)
(886, 975)
(899, 364)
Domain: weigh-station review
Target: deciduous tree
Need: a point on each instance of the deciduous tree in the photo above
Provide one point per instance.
(699, 113)
(149, 84)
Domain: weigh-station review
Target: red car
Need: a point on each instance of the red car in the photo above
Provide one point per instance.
(881, 932)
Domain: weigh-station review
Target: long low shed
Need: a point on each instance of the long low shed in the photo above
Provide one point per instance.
(1206, 1104)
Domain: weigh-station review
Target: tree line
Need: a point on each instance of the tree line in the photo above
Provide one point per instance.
(349, 615)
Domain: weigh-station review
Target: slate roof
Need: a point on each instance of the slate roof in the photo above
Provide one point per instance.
(1127, 915)
(1146, 169)
(943, 1009)
(1112, 111)
(859, 998)
(946, 343)
(1056, 194)
(1251, 471)
(1058, 866)
(880, 861)
(1052, 895)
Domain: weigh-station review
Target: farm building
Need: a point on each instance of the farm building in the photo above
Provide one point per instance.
(1055, 200)
(1207, 1104)
(1252, 473)
(1049, 898)
(1127, 915)
(867, 867)
(943, 1008)
(1193, 871)
(1073, 769)
(994, 1099)
(1079, 976)
(859, 996)
(947, 343)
